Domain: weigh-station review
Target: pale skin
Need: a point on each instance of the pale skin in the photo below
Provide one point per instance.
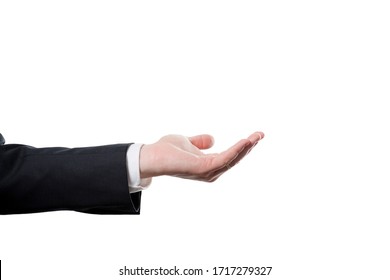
(183, 157)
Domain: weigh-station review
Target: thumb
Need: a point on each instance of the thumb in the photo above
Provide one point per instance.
(203, 141)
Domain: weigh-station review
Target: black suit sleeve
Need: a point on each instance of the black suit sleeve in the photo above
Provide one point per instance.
(90, 180)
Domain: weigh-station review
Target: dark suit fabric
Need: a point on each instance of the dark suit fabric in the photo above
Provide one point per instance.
(90, 180)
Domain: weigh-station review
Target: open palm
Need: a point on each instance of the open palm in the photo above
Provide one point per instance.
(181, 156)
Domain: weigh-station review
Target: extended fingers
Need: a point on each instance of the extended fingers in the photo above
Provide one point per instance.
(235, 154)
(229, 155)
(254, 139)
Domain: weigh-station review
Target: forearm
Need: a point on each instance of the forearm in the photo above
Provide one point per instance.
(92, 179)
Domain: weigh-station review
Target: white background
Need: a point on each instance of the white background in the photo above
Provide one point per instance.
(311, 200)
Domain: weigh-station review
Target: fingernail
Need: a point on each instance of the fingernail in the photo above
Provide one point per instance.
(261, 134)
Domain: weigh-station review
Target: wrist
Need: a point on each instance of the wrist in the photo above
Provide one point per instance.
(146, 162)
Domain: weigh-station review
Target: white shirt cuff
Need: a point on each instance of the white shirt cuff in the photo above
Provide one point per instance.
(135, 182)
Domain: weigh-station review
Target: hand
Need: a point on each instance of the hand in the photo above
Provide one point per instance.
(181, 156)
